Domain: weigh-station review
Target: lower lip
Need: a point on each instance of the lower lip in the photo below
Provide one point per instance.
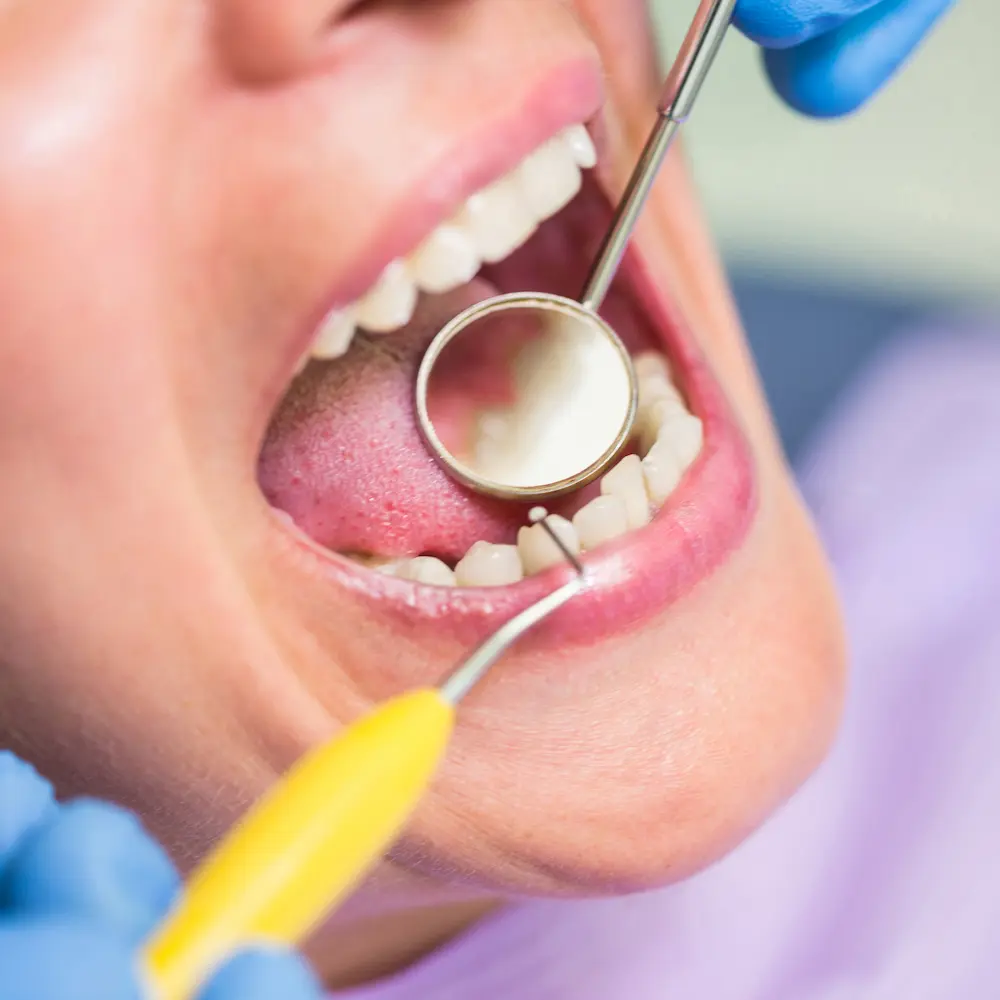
(629, 581)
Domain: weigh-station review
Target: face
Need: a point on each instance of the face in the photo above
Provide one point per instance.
(204, 564)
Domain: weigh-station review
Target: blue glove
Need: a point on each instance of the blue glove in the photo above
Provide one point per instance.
(81, 885)
(827, 57)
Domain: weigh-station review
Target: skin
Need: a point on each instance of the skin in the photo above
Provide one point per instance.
(177, 198)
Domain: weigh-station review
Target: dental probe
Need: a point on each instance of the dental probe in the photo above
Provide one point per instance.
(306, 844)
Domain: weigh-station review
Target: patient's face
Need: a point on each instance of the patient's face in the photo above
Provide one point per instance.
(206, 561)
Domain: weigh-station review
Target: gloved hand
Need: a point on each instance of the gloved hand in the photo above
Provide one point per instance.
(81, 885)
(827, 57)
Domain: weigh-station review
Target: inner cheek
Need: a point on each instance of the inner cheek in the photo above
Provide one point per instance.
(690, 260)
(685, 253)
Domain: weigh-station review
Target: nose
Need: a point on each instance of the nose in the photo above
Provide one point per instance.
(269, 40)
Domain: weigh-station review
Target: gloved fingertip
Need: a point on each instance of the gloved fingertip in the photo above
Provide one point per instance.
(769, 24)
(835, 74)
(263, 974)
(93, 861)
(26, 799)
(64, 960)
(774, 25)
(806, 85)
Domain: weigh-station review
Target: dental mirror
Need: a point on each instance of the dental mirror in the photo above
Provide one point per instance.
(521, 397)
(531, 437)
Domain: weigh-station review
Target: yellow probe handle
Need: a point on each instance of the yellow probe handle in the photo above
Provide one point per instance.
(305, 845)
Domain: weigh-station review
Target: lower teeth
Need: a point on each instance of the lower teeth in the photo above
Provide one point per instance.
(669, 437)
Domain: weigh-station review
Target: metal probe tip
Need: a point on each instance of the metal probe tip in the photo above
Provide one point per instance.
(539, 515)
(465, 677)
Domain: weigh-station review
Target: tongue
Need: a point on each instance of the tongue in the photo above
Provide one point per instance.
(343, 457)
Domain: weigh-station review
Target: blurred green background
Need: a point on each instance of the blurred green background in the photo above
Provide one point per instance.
(842, 237)
(902, 197)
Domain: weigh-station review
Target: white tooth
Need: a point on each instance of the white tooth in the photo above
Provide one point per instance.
(427, 569)
(422, 569)
(662, 471)
(651, 363)
(577, 138)
(653, 416)
(488, 565)
(389, 304)
(537, 550)
(600, 521)
(654, 387)
(685, 433)
(445, 260)
(497, 220)
(334, 335)
(625, 482)
(549, 178)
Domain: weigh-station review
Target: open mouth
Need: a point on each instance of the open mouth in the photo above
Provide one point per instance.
(344, 461)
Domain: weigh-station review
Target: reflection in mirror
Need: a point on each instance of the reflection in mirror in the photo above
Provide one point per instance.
(529, 400)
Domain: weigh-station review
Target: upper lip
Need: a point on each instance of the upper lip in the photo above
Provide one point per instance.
(569, 94)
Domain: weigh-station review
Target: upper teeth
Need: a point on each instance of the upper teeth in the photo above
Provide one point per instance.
(490, 226)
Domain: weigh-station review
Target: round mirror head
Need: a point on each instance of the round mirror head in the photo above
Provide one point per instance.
(526, 396)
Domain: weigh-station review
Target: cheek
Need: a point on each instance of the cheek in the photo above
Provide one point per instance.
(624, 35)
(80, 132)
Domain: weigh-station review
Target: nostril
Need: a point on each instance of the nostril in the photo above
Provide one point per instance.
(266, 41)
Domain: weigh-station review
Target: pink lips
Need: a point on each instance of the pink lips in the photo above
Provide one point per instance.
(631, 580)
